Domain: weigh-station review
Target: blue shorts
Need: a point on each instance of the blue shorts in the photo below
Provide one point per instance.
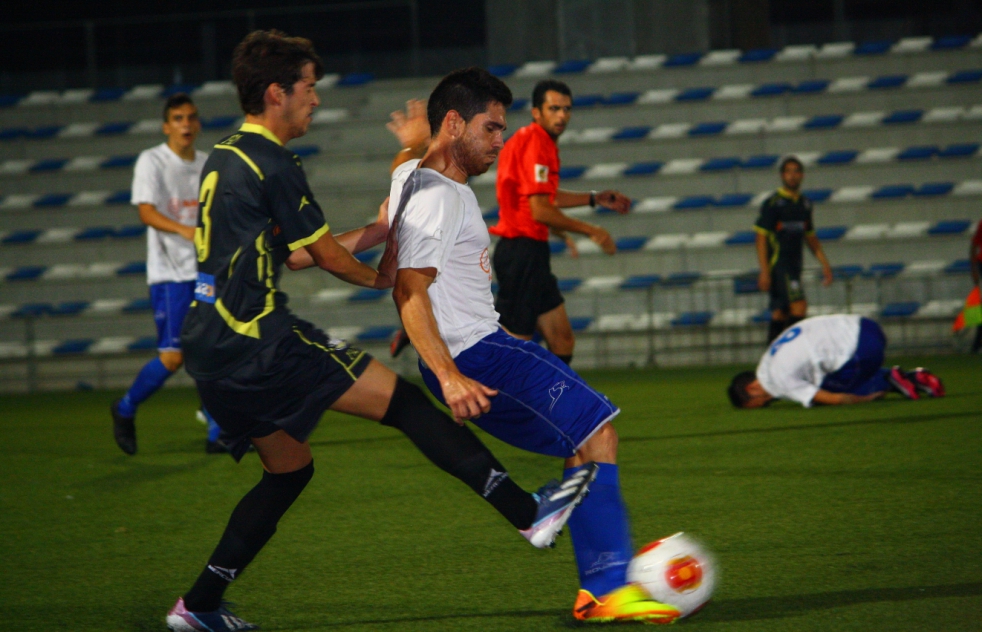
(170, 302)
(542, 405)
(863, 373)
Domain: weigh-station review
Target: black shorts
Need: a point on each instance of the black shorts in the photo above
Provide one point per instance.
(288, 386)
(786, 288)
(527, 287)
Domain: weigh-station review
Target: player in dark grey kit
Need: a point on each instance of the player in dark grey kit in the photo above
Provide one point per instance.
(265, 375)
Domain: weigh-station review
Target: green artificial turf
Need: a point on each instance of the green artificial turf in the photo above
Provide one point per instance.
(853, 518)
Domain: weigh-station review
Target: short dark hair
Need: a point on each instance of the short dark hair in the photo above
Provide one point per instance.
(790, 160)
(267, 57)
(738, 388)
(469, 92)
(539, 92)
(175, 101)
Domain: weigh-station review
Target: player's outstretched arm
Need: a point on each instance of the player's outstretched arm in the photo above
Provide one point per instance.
(466, 398)
(361, 239)
(828, 398)
(327, 254)
(549, 214)
(816, 247)
(150, 216)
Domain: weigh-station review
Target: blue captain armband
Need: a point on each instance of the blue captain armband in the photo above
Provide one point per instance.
(204, 288)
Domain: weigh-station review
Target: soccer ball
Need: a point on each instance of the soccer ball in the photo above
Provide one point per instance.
(675, 570)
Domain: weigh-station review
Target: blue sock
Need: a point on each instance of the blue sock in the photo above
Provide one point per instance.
(601, 534)
(213, 429)
(150, 378)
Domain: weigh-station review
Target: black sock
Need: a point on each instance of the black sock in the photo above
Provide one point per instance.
(455, 449)
(252, 524)
(774, 329)
(566, 358)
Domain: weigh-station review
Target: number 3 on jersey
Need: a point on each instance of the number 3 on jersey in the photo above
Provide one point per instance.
(202, 234)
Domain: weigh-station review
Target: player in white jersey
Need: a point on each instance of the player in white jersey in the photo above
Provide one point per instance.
(165, 190)
(829, 360)
(512, 388)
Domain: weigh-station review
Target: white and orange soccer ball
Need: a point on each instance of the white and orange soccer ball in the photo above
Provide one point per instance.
(675, 570)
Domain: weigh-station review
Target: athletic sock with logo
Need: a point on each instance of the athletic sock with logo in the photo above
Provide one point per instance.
(601, 533)
(455, 449)
(150, 378)
(252, 524)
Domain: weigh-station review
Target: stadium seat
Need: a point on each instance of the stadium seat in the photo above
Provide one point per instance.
(630, 244)
(741, 238)
(643, 169)
(708, 129)
(632, 133)
(951, 42)
(70, 347)
(355, 79)
(681, 279)
(965, 76)
(95, 233)
(20, 237)
(950, 227)
(682, 59)
(134, 268)
(903, 116)
(376, 333)
(147, 343)
(31, 310)
(26, 273)
(569, 285)
(934, 188)
(830, 233)
(733, 199)
(572, 66)
(136, 306)
(48, 164)
(580, 323)
(757, 55)
(621, 98)
(118, 162)
(961, 266)
(720, 164)
(838, 157)
(846, 271)
(921, 152)
(873, 48)
(884, 270)
(961, 150)
(640, 282)
(825, 121)
(694, 202)
(818, 195)
(903, 309)
(572, 172)
(887, 81)
(692, 319)
(892, 191)
(112, 129)
(367, 294)
(119, 197)
(69, 308)
(695, 94)
(771, 90)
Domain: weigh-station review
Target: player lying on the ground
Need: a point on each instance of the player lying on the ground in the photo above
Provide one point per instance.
(512, 388)
(265, 375)
(829, 360)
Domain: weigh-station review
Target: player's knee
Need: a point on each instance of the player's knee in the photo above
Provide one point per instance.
(172, 360)
(799, 309)
(602, 446)
(406, 403)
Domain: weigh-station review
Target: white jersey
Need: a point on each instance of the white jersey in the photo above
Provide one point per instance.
(440, 226)
(797, 362)
(170, 183)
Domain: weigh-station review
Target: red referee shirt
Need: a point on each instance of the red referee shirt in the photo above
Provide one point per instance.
(527, 165)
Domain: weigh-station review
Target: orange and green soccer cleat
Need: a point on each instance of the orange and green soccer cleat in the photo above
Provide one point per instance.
(627, 603)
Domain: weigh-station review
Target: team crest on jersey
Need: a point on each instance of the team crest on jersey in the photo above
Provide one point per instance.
(485, 263)
(541, 173)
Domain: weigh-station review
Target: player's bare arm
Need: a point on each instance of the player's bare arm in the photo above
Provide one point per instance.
(764, 280)
(466, 398)
(614, 200)
(549, 214)
(354, 241)
(330, 256)
(412, 130)
(816, 247)
(827, 398)
(150, 216)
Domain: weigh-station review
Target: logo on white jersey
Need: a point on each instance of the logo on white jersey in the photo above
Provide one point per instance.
(541, 173)
(556, 392)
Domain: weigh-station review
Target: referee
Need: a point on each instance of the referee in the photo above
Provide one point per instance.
(530, 203)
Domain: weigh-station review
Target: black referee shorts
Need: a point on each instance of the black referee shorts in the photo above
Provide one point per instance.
(527, 287)
(786, 288)
(285, 387)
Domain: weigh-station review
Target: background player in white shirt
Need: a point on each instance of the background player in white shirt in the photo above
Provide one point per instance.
(165, 190)
(829, 360)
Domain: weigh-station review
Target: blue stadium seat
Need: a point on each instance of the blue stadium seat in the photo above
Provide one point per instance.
(961, 266)
(621, 98)
(632, 133)
(580, 323)
(818, 195)
(682, 59)
(831, 233)
(771, 90)
(56, 199)
(812, 86)
(846, 272)
(720, 164)
(903, 116)
(20, 237)
(12, 133)
(491, 214)
(367, 294)
(640, 282)
(763, 316)
(112, 129)
(734, 199)
(892, 192)
(903, 309)
(824, 121)
(873, 48)
(746, 283)
(692, 319)
(103, 95)
(934, 188)
(354, 79)
(70, 347)
(377, 333)
(26, 273)
(695, 94)
(303, 151)
(518, 105)
(587, 100)
(218, 122)
(708, 129)
(572, 172)
(119, 197)
(48, 164)
(70, 308)
(367, 255)
(950, 227)
(118, 162)
(761, 161)
(965, 76)
(31, 310)
(919, 152)
(630, 244)
(951, 42)
(9, 100)
(884, 270)
(841, 157)
(569, 285)
(169, 91)
(147, 343)
(502, 70)
(960, 150)
(681, 279)
(643, 169)
(557, 247)
(757, 55)
(137, 305)
(133, 268)
(887, 82)
(572, 66)
(127, 232)
(41, 133)
(741, 238)
(95, 232)
(694, 201)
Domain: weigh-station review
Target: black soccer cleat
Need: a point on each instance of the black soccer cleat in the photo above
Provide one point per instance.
(124, 429)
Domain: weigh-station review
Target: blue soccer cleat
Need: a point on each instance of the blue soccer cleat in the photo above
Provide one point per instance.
(180, 619)
(556, 504)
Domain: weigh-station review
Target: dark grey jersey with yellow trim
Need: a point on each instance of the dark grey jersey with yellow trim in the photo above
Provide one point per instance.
(785, 219)
(255, 208)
